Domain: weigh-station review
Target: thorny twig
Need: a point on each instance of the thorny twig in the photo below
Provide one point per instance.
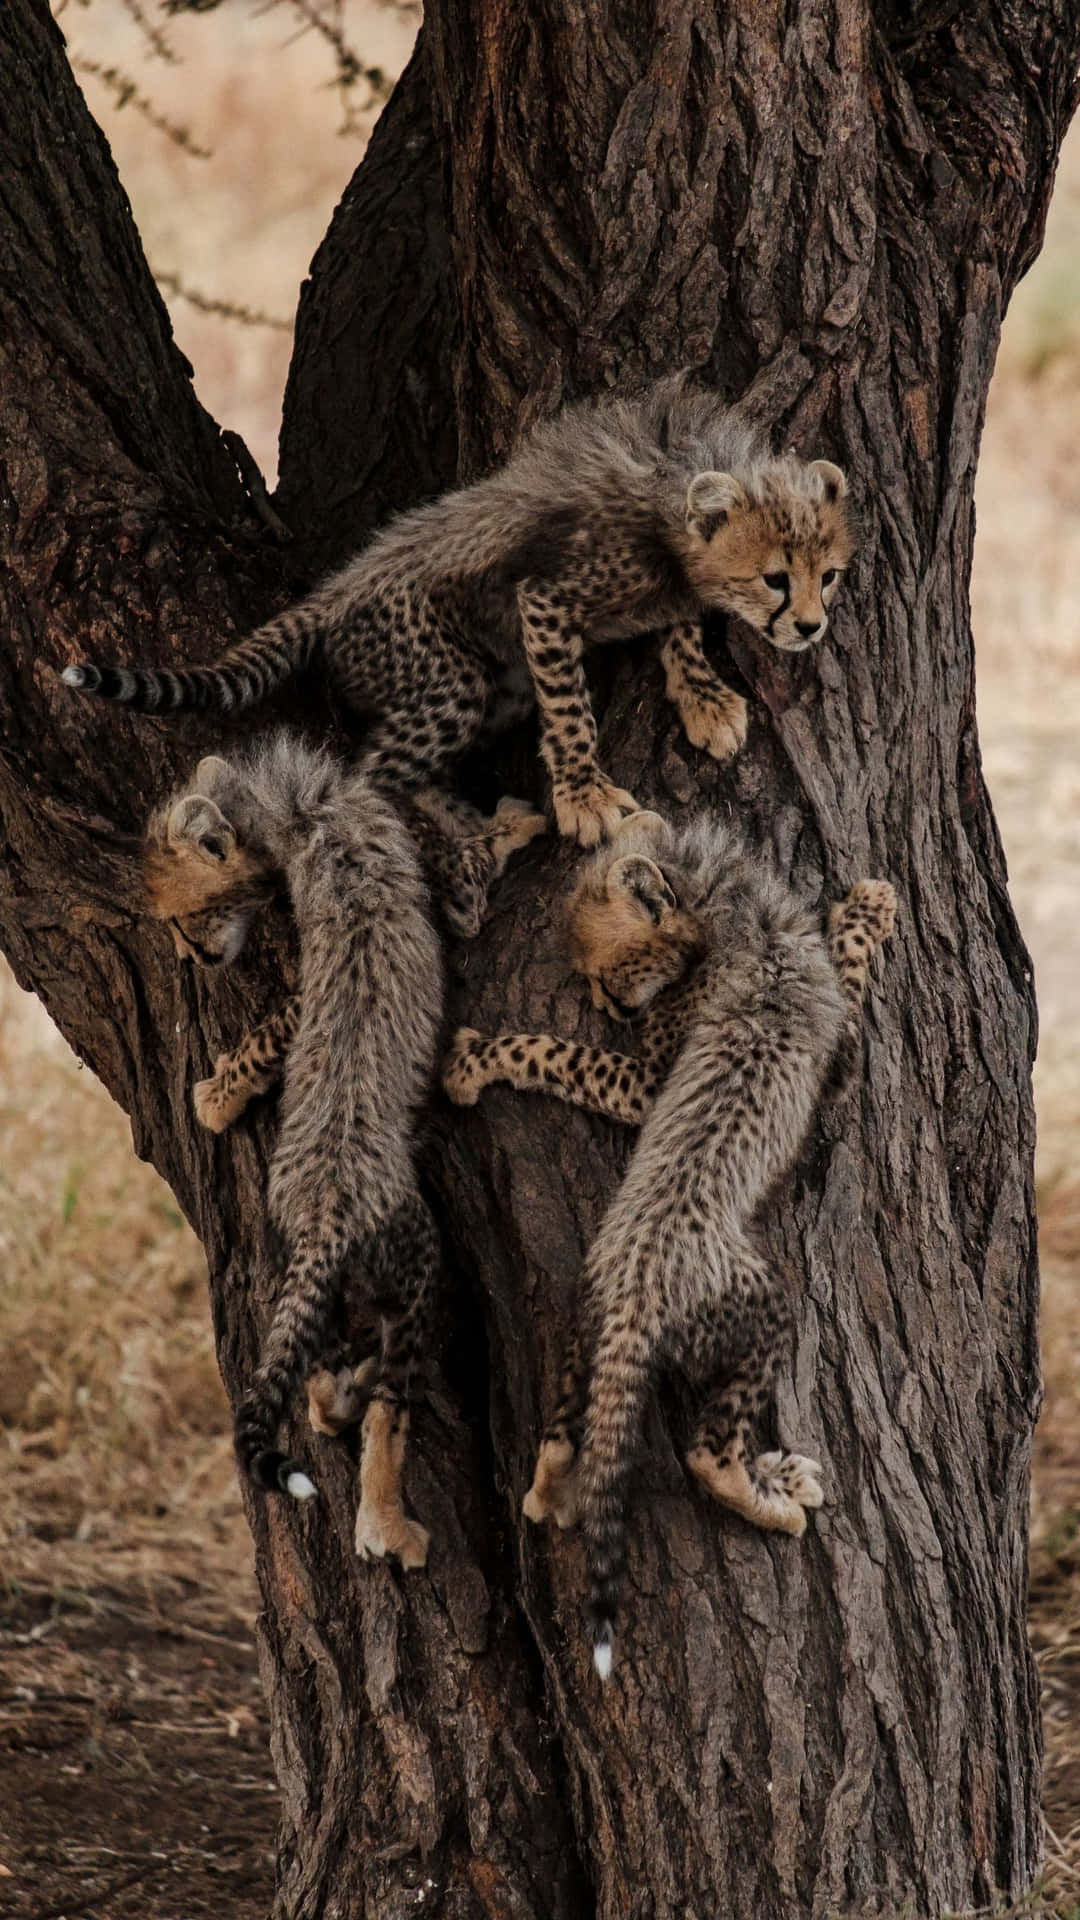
(125, 93)
(170, 282)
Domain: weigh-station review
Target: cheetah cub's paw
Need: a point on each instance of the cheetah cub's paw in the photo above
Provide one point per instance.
(378, 1535)
(462, 1075)
(516, 823)
(338, 1400)
(714, 717)
(554, 1491)
(870, 907)
(219, 1101)
(593, 813)
(773, 1492)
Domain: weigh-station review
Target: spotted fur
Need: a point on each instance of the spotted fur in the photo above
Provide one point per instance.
(743, 1007)
(362, 1038)
(614, 519)
(461, 853)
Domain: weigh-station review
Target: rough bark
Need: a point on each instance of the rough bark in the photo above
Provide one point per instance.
(824, 208)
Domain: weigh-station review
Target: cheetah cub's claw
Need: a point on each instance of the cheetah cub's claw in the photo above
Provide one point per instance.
(217, 1104)
(593, 813)
(554, 1491)
(773, 1492)
(461, 1073)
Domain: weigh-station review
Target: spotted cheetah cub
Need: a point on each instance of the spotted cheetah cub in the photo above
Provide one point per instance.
(617, 518)
(461, 853)
(361, 1042)
(748, 1016)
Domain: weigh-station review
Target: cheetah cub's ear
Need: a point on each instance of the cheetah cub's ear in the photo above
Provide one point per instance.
(197, 823)
(710, 498)
(833, 480)
(642, 882)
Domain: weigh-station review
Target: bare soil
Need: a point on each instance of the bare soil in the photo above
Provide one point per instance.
(134, 1760)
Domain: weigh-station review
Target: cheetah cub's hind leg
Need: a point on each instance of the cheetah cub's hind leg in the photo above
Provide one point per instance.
(713, 714)
(554, 1491)
(775, 1490)
(382, 1525)
(464, 852)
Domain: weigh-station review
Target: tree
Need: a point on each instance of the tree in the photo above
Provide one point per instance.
(824, 209)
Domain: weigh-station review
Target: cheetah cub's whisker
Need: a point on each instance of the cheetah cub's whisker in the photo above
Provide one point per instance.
(749, 1016)
(617, 518)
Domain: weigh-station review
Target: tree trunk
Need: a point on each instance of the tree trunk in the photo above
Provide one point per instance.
(823, 208)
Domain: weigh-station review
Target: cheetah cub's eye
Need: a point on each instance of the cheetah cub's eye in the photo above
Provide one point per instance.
(828, 576)
(777, 581)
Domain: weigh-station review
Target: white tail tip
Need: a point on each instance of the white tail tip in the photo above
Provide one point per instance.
(300, 1486)
(72, 676)
(601, 1657)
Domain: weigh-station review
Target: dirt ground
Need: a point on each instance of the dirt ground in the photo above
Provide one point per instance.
(133, 1752)
(135, 1775)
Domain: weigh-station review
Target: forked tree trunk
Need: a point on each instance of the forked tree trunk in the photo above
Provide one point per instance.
(825, 206)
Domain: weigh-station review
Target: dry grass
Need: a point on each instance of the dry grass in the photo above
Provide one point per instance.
(1028, 658)
(117, 1459)
(118, 1462)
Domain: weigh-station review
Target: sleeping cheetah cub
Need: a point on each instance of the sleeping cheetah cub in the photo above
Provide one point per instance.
(361, 1037)
(616, 518)
(748, 1016)
(461, 854)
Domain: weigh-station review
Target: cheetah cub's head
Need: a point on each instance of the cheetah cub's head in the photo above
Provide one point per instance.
(629, 935)
(771, 545)
(201, 877)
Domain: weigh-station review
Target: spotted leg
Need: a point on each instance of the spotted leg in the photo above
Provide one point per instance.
(774, 1490)
(554, 1493)
(615, 1084)
(250, 1069)
(588, 808)
(434, 718)
(857, 926)
(713, 714)
(464, 852)
(408, 1257)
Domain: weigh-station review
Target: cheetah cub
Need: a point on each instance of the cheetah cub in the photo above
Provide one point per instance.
(461, 853)
(617, 518)
(360, 1043)
(748, 1016)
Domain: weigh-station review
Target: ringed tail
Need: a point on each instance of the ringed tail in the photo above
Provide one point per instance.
(622, 1371)
(247, 674)
(296, 1330)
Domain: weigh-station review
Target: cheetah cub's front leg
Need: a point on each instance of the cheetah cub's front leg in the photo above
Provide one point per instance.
(713, 715)
(382, 1525)
(250, 1069)
(555, 1491)
(857, 926)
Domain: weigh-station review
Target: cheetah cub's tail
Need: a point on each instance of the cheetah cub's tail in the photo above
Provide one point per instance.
(291, 1344)
(621, 1375)
(247, 674)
